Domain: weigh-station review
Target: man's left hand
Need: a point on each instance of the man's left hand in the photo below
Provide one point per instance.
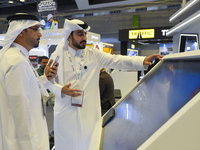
(149, 59)
(51, 72)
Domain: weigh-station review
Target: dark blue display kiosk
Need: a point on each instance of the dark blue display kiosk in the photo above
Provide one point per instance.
(161, 112)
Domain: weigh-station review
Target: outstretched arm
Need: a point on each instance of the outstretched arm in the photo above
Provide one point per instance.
(70, 92)
(149, 59)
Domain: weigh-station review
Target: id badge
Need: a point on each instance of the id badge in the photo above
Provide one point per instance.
(77, 101)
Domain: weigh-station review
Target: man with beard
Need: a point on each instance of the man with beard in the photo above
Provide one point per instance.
(22, 120)
(77, 103)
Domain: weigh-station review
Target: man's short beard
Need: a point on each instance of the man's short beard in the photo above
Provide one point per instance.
(77, 45)
(35, 46)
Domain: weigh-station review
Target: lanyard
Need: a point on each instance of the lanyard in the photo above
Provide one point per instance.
(77, 75)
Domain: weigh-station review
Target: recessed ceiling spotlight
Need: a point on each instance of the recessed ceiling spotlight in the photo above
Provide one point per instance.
(10, 2)
(22, 0)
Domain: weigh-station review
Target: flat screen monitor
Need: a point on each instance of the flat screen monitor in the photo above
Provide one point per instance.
(132, 52)
(151, 103)
(188, 42)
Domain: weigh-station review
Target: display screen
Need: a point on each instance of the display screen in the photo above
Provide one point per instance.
(152, 103)
(188, 42)
(131, 52)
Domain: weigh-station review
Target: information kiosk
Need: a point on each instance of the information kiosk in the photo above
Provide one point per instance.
(160, 112)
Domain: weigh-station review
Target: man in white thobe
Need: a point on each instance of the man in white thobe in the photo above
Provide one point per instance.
(79, 71)
(22, 121)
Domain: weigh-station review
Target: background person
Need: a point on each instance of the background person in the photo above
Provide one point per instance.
(43, 62)
(22, 122)
(106, 87)
(42, 25)
(79, 71)
(51, 23)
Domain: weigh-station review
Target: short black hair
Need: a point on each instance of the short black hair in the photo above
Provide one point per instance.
(42, 57)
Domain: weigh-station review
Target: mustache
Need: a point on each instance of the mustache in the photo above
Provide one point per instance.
(83, 41)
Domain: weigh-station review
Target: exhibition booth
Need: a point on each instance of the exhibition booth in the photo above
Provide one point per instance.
(132, 39)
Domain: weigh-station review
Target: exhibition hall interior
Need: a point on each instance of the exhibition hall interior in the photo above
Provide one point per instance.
(155, 109)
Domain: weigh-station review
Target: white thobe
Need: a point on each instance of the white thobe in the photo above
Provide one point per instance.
(22, 122)
(73, 126)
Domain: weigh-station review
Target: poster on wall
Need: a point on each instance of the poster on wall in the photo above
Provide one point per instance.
(165, 49)
(47, 14)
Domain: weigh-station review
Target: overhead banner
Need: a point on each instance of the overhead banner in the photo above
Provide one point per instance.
(47, 6)
(145, 33)
(141, 34)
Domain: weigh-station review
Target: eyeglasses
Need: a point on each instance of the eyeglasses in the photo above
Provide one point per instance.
(35, 29)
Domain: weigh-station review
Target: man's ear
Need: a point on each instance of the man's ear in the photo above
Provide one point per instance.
(22, 33)
(69, 37)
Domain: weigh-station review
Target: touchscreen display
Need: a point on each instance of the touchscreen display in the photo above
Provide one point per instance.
(152, 103)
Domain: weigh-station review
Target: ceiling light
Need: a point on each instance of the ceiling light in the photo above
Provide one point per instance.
(184, 23)
(22, 0)
(10, 2)
(187, 6)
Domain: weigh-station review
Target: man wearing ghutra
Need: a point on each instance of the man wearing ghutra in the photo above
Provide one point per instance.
(79, 73)
(22, 121)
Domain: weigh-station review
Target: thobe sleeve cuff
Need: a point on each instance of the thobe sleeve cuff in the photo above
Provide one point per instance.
(146, 67)
(139, 63)
(57, 90)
